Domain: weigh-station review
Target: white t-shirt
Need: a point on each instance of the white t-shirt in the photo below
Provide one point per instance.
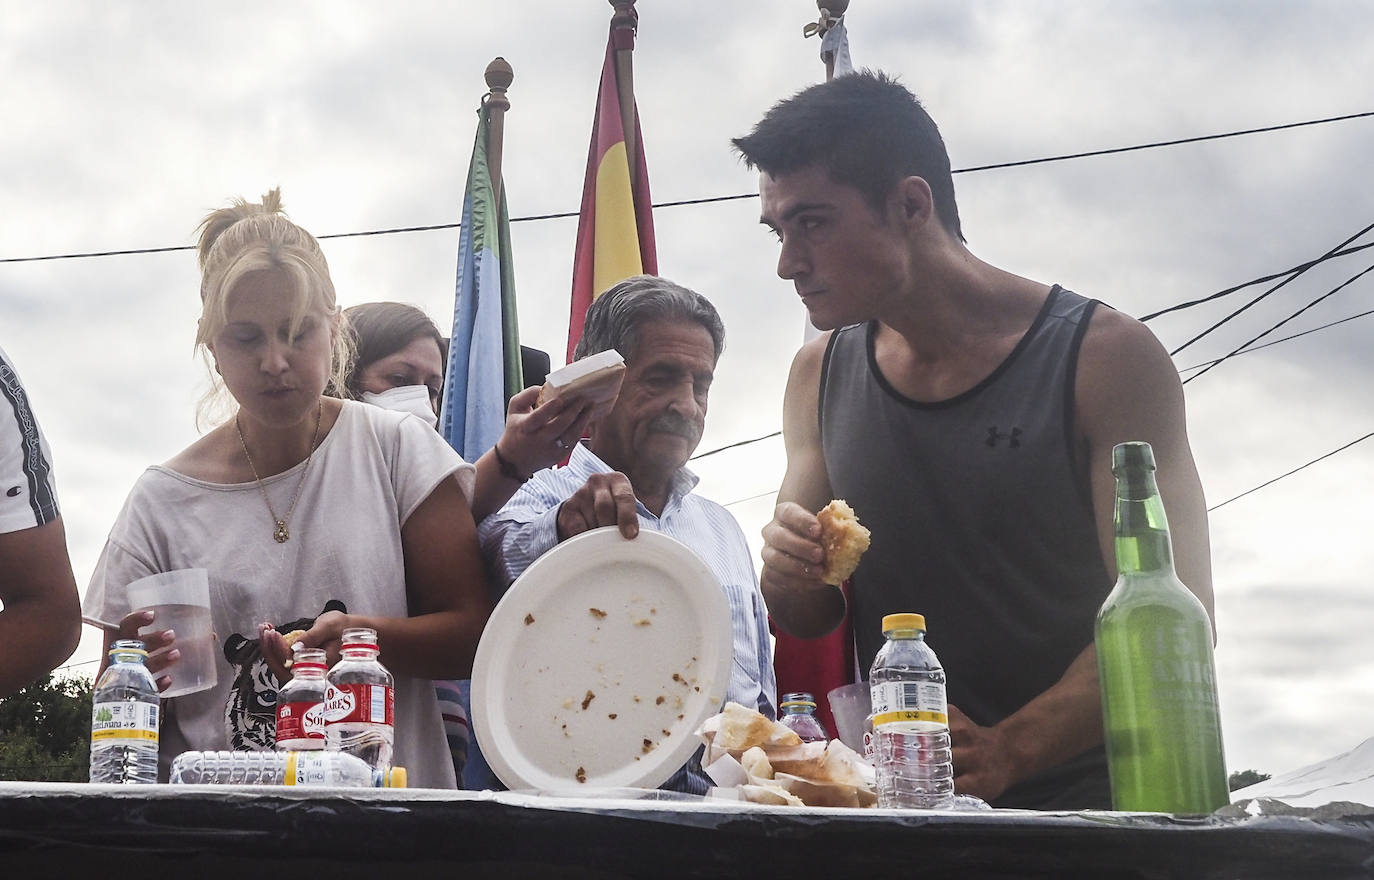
(368, 475)
(28, 495)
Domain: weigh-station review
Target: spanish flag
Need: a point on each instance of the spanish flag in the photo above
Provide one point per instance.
(615, 231)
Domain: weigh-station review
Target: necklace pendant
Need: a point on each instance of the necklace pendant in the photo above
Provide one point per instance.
(281, 535)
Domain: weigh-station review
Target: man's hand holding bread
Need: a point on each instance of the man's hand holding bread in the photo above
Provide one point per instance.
(809, 555)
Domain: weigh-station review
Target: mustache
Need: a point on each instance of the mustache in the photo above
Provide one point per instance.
(674, 423)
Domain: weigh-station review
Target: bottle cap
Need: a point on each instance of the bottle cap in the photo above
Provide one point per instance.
(308, 658)
(904, 621)
(1136, 454)
(395, 778)
(127, 646)
(360, 637)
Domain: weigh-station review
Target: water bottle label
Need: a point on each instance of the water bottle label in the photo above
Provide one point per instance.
(124, 720)
(910, 704)
(359, 703)
(300, 720)
(307, 768)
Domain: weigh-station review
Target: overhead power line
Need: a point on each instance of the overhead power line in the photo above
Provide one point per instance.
(1276, 341)
(734, 445)
(1339, 287)
(1301, 267)
(1293, 471)
(1263, 485)
(1294, 276)
(1173, 143)
(712, 199)
(751, 498)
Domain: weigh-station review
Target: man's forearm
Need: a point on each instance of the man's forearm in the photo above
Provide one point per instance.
(1059, 724)
(805, 615)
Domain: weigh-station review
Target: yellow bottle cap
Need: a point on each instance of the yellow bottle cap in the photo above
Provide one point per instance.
(904, 621)
(395, 778)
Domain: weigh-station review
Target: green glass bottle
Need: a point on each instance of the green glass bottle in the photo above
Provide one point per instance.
(1154, 661)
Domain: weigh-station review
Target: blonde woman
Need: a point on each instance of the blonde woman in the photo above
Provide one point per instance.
(296, 500)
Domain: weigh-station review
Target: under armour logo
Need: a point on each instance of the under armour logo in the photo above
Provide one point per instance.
(13, 492)
(1014, 437)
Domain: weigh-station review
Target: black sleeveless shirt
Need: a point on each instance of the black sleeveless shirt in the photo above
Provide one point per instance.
(981, 517)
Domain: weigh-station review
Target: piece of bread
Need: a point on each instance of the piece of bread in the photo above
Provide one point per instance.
(805, 760)
(755, 763)
(844, 766)
(742, 729)
(844, 540)
(595, 379)
(771, 795)
(825, 794)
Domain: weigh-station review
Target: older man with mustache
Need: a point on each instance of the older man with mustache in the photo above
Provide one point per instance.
(631, 472)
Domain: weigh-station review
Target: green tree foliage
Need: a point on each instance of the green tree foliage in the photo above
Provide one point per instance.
(1242, 778)
(45, 732)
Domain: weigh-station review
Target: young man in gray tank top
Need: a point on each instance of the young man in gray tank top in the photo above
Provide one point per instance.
(969, 419)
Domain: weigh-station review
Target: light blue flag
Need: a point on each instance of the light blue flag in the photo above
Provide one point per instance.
(484, 349)
(483, 372)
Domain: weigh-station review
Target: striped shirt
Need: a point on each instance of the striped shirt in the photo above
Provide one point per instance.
(527, 527)
(28, 494)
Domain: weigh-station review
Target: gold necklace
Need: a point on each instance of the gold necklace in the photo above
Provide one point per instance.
(281, 535)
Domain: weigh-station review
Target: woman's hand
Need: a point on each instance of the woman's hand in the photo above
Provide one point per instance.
(326, 632)
(537, 437)
(162, 652)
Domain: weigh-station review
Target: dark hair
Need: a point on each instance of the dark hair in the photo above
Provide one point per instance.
(866, 130)
(614, 318)
(384, 328)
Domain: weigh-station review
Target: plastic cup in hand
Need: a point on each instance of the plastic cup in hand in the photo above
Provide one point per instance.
(181, 602)
(851, 705)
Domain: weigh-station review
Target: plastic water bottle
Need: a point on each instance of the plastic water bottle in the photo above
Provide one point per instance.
(300, 703)
(124, 718)
(359, 706)
(910, 719)
(1160, 718)
(322, 768)
(799, 713)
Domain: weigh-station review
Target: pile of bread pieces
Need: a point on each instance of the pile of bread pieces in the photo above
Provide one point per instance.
(765, 762)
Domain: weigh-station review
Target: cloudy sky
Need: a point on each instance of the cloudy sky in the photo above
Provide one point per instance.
(126, 123)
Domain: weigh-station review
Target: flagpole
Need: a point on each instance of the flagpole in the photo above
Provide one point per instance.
(498, 76)
(626, 18)
(831, 12)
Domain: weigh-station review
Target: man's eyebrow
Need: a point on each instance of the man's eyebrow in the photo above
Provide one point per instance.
(794, 210)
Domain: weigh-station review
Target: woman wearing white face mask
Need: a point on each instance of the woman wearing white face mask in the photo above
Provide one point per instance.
(400, 365)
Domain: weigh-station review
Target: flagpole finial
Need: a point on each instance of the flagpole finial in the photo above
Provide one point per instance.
(625, 15)
(498, 76)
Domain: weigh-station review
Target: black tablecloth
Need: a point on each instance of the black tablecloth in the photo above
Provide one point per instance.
(190, 833)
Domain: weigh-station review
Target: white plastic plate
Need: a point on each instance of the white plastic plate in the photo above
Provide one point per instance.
(599, 664)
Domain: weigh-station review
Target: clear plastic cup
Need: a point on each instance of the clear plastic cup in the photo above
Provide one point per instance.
(180, 601)
(851, 705)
